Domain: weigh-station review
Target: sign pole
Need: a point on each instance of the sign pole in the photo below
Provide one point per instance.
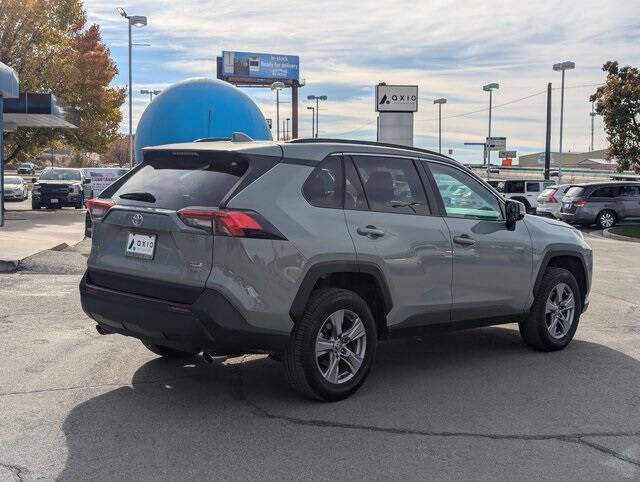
(1, 161)
(294, 111)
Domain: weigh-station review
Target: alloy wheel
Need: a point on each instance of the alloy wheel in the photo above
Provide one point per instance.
(560, 310)
(606, 220)
(341, 345)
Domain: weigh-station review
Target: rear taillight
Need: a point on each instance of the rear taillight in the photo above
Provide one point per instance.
(238, 224)
(98, 207)
(552, 199)
(579, 203)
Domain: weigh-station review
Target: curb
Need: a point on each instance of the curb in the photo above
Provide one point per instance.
(607, 234)
(12, 265)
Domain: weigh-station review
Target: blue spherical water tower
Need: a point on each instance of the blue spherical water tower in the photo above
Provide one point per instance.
(197, 108)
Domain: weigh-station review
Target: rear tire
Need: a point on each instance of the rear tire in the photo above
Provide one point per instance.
(544, 329)
(326, 362)
(166, 352)
(34, 205)
(606, 219)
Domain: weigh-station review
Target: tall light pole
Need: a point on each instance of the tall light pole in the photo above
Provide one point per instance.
(277, 87)
(440, 102)
(561, 67)
(313, 120)
(150, 92)
(286, 131)
(136, 21)
(317, 98)
(489, 88)
(592, 114)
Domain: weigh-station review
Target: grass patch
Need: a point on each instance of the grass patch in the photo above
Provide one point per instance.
(631, 231)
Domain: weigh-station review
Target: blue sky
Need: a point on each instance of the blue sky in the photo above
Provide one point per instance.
(450, 49)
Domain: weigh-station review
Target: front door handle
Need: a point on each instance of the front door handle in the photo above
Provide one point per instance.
(370, 231)
(464, 240)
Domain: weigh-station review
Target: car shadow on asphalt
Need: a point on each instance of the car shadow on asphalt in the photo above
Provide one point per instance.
(485, 381)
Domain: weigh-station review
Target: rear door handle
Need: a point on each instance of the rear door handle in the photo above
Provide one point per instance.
(370, 231)
(464, 240)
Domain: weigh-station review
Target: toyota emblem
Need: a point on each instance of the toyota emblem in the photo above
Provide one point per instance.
(137, 219)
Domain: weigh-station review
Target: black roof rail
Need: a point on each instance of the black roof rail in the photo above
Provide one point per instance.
(319, 140)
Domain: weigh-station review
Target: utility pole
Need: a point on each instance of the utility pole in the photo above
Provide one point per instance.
(489, 88)
(440, 102)
(593, 115)
(547, 148)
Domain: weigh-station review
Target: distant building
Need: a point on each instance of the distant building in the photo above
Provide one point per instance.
(579, 160)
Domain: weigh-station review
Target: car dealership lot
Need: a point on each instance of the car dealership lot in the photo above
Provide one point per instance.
(475, 404)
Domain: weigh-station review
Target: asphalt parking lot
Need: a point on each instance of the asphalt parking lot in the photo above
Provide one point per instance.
(470, 405)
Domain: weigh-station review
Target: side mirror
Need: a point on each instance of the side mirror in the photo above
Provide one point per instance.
(87, 180)
(514, 211)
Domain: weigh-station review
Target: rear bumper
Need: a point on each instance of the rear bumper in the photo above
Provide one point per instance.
(210, 324)
(577, 217)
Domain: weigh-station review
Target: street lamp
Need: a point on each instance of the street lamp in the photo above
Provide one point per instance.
(150, 92)
(440, 102)
(313, 120)
(136, 21)
(489, 88)
(317, 98)
(286, 131)
(277, 86)
(561, 67)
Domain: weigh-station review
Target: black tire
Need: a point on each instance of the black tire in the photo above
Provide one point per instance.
(34, 205)
(606, 219)
(166, 352)
(534, 329)
(300, 364)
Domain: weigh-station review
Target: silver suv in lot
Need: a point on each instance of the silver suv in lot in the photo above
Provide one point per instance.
(315, 250)
(601, 203)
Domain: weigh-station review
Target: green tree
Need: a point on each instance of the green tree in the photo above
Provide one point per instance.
(46, 42)
(618, 102)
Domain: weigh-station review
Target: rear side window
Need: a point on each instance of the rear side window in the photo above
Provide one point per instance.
(392, 185)
(533, 187)
(630, 191)
(606, 192)
(323, 188)
(176, 182)
(575, 191)
(514, 186)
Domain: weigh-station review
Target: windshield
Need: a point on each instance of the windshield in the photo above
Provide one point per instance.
(575, 191)
(24, 165)
(12, 180)
(60, 175)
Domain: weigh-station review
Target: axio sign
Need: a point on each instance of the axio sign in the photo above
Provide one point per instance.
(396, 98)
(260, 66)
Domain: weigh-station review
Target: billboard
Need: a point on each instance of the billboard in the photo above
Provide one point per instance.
(496, 143)
(260, 66)
(396, 98)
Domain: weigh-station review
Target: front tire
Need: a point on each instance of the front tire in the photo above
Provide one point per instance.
(555, 314)
(166, 352)
(606, 219)
(333, 346)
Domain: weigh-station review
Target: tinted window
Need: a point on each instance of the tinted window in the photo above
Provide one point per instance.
(533, 187)
(514, 186)
(61, 175)
(575, 191)
(176, 183)
(354, 197)
(391, 185)
(607, 192)
(630, 191)
(467, 198)
(323, 188)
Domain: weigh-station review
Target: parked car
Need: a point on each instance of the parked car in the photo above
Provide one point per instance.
(601, 203)
(59, 187)
(315, 250)
(15, 189)
(550, 200)
(100, 178)
(26, 168)
(524, 190)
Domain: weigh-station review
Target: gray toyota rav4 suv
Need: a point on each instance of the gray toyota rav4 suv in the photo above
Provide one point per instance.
(315, 250)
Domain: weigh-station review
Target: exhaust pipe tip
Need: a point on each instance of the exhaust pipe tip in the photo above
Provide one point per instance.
(103, 331)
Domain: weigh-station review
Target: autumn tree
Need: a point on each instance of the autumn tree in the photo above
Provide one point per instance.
(118, 152)
(618, 102)
(46, 42)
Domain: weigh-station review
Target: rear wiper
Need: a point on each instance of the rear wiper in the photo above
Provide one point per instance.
(146, 197)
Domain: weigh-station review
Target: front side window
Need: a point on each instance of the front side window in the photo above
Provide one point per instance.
(354, 197)
(392, 185)
(514, 186)
(463, 196)
(533, 187)
(323, 188)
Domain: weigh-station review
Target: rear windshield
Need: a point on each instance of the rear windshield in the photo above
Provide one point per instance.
(575, 191)
(176, 183)
(547, 192)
